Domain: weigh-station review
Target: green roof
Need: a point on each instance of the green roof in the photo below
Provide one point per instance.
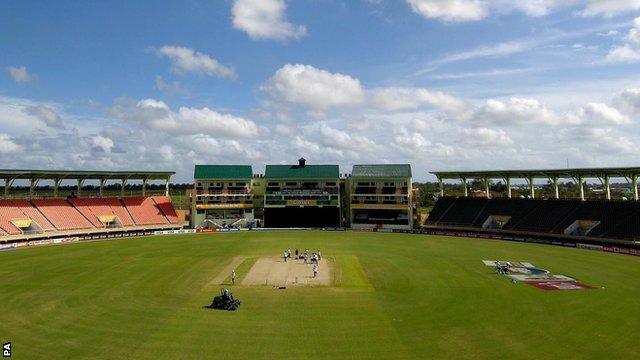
(223, 172)
(319, 172)
(382, 171)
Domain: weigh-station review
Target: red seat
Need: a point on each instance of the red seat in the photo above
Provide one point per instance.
(165, 205)
(62, 214)
(144, 211)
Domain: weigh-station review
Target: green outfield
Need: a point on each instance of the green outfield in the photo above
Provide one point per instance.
(392, 296)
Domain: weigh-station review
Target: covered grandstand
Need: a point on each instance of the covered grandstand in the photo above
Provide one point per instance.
(302, 195)
(380, 196)
(35, 217)
(222, 196)
(599, 221)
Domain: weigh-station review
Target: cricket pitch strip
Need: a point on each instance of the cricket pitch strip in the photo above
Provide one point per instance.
(275, 271)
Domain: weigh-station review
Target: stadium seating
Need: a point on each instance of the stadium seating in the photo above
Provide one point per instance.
(616, 219)
(144, 211)
(120, 210)
(20, 209)
(62, 214)
(92, 209)
(165, 205)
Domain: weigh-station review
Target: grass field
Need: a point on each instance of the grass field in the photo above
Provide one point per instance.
(392, 296)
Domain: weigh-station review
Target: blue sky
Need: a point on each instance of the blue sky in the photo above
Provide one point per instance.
(441, 84)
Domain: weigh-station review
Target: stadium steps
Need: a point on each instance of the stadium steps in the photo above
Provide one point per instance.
(120, 210)
(62, 214)
(441, 206)
(446, 211)
(144, 211)
(167, 209)
(473, 223)
(567, 220)
(631, 222)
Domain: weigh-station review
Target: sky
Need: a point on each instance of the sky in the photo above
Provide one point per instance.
(439, 84)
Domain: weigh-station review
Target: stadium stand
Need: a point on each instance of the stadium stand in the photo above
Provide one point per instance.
(62, 214)
(607, 219)
(144, 211)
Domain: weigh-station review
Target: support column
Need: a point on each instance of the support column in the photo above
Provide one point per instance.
(32, 187)
(102, 181)
(56, 187)
(556, 190)
(508, 181)
(124, 183)
(607, 187)
(80, 182)
(486, 188)
(464, 186)
(581, 187)
(144, 187)
(7, 185)
(532, 188)
(441, 186)
(634, 184)
(166, 189)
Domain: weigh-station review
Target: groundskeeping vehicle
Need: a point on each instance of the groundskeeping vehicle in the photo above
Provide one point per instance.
(224, 301)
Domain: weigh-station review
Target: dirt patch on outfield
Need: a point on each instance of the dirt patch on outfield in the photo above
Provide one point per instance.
(226, 272)
(275, 271)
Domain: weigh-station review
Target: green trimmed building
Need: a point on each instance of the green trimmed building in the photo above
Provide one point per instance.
(380, 197)
(302, 195)
(222, 196)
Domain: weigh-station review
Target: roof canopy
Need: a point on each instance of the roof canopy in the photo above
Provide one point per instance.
(223, 172)
(386, 171)
(84, 174)
(560, 173)
(306, 172)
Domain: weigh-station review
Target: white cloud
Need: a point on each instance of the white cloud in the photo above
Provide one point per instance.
(515, 111)
(101, 143)
(314, 88)
(8, 145)
(629, 101)
(475, 10)
(450, 10)
(20, 74)
(608, 8)
(629, 52)
(396, 98)
(265, 19)
(157, 115)
(485, 137)
(597, 113)
(187, 60)
(174, 87)
(46, 114)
